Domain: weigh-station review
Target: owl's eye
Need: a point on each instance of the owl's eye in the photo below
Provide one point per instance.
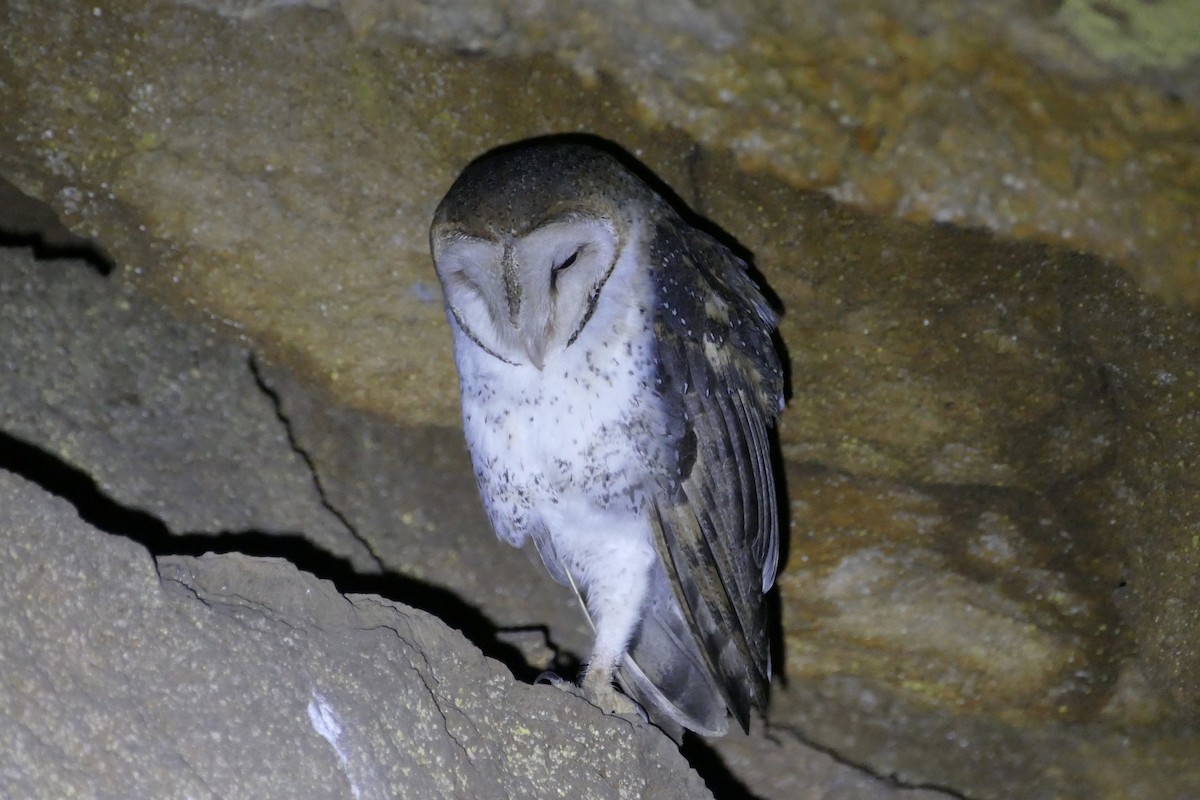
(560, 267)
(568, 262)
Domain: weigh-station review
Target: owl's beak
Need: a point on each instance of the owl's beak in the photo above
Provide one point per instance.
(535, 348)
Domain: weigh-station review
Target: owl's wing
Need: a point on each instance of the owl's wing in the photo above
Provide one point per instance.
(715, 516)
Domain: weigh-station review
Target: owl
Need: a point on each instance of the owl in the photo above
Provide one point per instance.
(619, 383)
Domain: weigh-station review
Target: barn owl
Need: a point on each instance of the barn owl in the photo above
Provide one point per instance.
(619, 383)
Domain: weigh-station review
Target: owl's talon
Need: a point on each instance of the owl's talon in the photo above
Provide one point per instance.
(598, 689)
(610, 700)
(550, 678)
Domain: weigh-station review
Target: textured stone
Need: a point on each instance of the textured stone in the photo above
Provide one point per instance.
(230, 676)
(103, 380)
(781, 767)
(988, 756)
(968, 599)
(1006, 115)
(1137, 35)
(1148, 504)
(283, 202)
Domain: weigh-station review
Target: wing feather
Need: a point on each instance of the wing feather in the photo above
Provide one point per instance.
(716, 523)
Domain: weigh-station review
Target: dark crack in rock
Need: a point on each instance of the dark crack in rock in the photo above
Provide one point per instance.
(166, 417)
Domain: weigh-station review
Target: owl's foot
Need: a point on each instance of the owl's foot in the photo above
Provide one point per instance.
(598, 689)
(562, 684)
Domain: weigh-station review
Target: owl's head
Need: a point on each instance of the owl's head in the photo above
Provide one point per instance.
(525, 241)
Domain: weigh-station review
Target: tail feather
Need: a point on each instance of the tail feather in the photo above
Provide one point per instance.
(665, 673)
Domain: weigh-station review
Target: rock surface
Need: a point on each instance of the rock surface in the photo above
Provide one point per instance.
(229, 676)
(104, 380)
(276, 166)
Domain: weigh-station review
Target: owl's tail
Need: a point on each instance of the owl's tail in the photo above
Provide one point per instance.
(665, 673)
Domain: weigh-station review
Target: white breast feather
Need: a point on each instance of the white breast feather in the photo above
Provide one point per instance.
(566, 450)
